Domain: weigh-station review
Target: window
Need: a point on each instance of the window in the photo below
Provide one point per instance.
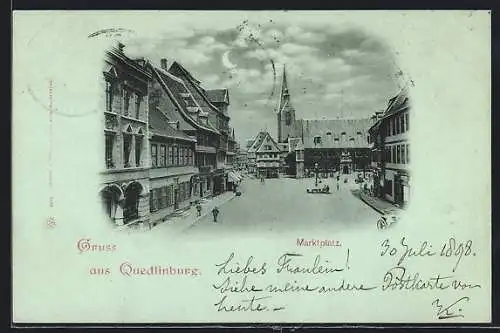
(398, 154)
(186, 156)
(169, 195)
(407, 153)
(328, 133)
(171, 155)
(138, 99)
(127, 146)
(176, 155)
(153, 200)
(161, 161)
(336, 139)
(317, 140)
(358, 133)
(126, 101)
(351, 139)
(288, 118)
(393, 125)
(138, 150)
(403, 125)
(403, 154)
(393, 158)
(109, 151)
(162, 200)
(154, 155)
(388, 187)
(109, 96)
(343, 133)
(407, 121)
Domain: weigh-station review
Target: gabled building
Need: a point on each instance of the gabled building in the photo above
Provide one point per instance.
(171, 95)
(267, 157)
(391, 150)
(252, 152)
(125, 179)
(215, 116)
(335, 145)
(173, 175)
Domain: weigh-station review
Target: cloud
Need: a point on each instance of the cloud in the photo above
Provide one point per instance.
(298, 34)
(321, 61)
(293, 49)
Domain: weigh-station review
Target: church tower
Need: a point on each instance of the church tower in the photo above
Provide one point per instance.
(285, 113)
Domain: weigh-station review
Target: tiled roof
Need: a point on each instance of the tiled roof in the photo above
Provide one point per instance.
(257, 142)
(217, 95)
(397, 103)
(266, 138)
(159, 126)
(335, 133)
(204, 101)
(177, 87)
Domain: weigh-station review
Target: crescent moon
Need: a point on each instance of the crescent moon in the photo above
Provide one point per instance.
(226, 62)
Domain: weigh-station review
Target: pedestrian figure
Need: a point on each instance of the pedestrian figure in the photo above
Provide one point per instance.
(215, 213)
(198, 208)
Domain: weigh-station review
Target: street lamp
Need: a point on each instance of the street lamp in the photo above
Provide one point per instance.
(316, 169)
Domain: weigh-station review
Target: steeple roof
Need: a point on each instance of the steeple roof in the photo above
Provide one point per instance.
(284, 101)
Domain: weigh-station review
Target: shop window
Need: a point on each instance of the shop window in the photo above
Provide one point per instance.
(131, 207)
(388, 187)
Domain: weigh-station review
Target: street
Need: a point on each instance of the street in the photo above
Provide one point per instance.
(282, 205)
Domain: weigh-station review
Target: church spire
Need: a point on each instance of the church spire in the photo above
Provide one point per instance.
(285, 94)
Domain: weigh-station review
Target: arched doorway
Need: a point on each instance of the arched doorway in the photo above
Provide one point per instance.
(131, 205)
(345, 169)
(110, 197)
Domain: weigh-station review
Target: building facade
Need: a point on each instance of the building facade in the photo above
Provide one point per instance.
(173, 173)
(336, 145)
(125, 179)
(167, 143)
(390, 156)
(182, 109)
(267, 156)
(217, 117)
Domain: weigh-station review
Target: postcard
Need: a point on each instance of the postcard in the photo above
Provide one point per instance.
(251, 166)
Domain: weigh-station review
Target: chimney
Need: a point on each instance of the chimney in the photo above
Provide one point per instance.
(164, 64)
